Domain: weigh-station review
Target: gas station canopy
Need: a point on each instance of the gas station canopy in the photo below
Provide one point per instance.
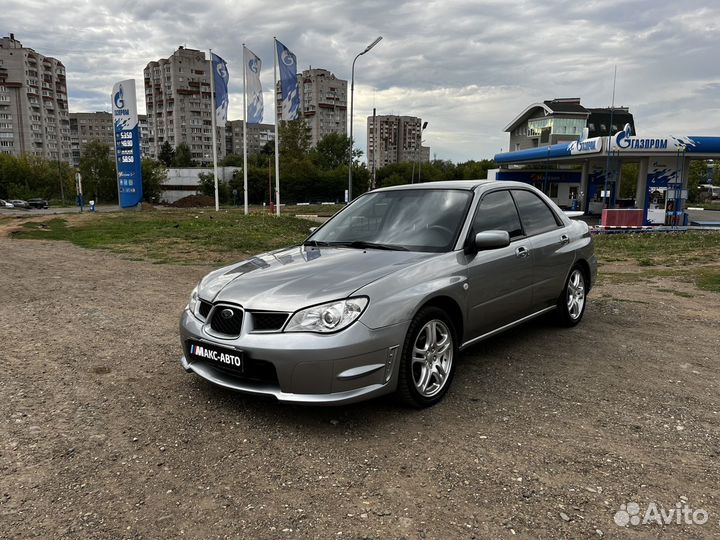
(593, 183)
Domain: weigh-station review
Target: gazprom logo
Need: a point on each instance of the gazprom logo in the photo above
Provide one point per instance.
(287, 58)
(253, 65)
(586, 146)
(222, 70)
(625, 140)
(119, 102)
(119, 98)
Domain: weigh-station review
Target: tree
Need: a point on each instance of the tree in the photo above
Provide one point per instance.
(232, 160)
(167, 154)
(332, 151)
(154, 175)
(27, 176)
(294, 140)
(206, 186)
(183, 157)
(98, 173)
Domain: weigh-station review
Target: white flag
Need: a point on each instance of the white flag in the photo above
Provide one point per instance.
(253, 64)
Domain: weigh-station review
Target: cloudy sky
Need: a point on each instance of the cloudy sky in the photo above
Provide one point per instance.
(467, 67)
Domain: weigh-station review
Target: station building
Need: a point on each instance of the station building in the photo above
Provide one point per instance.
(575, 155)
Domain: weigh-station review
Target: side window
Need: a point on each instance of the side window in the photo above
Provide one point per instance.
(535, 215)
(497, 212)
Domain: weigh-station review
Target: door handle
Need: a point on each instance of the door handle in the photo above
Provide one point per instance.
(521, 252)
(564, 239)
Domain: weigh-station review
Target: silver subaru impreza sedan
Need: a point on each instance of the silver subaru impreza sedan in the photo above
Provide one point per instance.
(384, 296)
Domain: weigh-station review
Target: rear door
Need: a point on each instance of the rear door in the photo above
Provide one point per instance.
(500, 280)
(549, 241)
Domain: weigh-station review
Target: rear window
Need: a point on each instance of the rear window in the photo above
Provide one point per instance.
(535, 215)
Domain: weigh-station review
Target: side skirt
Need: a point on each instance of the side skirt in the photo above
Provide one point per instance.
(506, 327)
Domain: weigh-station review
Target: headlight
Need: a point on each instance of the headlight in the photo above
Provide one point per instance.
(194, 299)
(329, 317)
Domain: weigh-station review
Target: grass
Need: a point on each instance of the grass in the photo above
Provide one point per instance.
(690, 257)
(708, 279)
(191, 236)
(708, 205)
(659, 249)
(174, 236)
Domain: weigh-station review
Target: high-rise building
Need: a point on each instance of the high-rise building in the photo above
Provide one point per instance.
(258, 136)
(395, 139)
(33, 103)
(178, 103)
(144, 135)
(323, 103)
(98, 126)
(88, 127)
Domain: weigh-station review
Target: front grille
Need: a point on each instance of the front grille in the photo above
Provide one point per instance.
(226, 325)
(204, 308)
(268, 321)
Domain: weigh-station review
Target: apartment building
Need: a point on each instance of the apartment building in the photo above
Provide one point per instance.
(258, 136)
(323, 103)
(88, 127)
(33, 103)
(179, 107)
(395, 139)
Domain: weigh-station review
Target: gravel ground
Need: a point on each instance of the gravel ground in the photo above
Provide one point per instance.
(546, 431)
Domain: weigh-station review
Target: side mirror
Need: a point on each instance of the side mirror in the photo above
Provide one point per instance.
(313, 229)
(490, 240)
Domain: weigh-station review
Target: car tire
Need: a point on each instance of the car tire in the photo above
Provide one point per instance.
(572, 301)
(427, 364)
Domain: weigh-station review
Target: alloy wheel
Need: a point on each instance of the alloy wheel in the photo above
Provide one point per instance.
(432, 358)
(576, 294)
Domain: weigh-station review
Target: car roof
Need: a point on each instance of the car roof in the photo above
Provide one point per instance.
(458, 184)
(445, 184)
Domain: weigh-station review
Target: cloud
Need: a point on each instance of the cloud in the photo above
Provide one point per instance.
(467, 67)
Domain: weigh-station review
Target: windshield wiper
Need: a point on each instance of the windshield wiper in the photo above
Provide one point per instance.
(361, 244)
(315, 243)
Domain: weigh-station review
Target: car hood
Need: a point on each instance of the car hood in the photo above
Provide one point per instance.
(294, 278)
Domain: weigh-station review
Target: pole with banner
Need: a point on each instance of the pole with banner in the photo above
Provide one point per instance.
(245, 121)
(252, 109)
(286, 63)
(214, 130)
(219, 78)
(127, 144)
(277, 136)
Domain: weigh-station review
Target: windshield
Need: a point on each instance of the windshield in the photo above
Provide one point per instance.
(407, 219)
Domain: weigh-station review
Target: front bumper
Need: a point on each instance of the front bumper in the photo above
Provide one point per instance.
(355, 364)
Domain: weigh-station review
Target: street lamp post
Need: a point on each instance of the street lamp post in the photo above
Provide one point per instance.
(352, 92)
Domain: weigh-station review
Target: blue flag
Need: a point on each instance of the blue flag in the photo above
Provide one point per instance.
(220, 79)
(253, 64)
(289, 89)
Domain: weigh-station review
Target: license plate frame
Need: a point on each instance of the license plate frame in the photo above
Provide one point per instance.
(223, 357)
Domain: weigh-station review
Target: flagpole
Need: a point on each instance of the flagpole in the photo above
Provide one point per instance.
(245, 175)
(214, 134)
(277, 138)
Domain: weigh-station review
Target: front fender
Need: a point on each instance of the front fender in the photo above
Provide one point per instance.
(397, 297)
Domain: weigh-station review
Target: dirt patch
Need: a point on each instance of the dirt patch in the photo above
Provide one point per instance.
(545, 433)
(194, 201)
